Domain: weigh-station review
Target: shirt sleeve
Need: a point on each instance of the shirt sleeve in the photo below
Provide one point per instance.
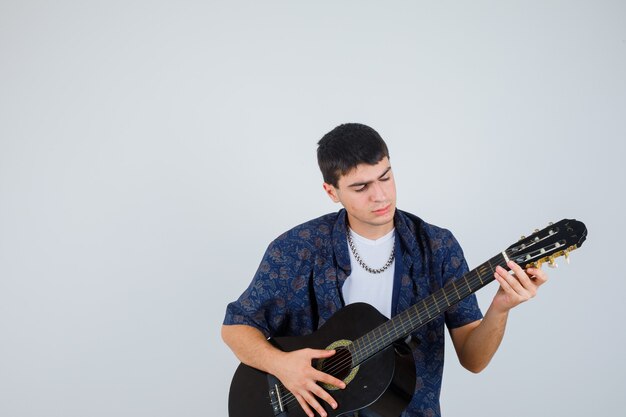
(262, 304)
(454, 268)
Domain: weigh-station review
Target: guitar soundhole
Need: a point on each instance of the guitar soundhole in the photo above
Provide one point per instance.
(339, 365)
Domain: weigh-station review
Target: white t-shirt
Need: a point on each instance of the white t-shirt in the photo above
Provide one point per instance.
(363, 286)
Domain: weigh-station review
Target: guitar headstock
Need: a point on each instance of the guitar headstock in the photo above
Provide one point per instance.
(545, 245)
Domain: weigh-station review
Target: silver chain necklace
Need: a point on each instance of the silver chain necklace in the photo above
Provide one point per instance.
(363, 265)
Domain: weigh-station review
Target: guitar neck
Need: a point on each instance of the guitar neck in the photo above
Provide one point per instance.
(425, 310)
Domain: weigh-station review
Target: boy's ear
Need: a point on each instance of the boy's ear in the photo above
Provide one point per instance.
(331, 191)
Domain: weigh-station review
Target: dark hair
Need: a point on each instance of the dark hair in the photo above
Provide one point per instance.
(347, 146)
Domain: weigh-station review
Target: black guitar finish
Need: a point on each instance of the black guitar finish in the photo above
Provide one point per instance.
(377, 375)
(384, 382)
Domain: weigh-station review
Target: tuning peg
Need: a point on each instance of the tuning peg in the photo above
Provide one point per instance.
(567, 257)
(536, 231)
(553, 264)
(550, 224)
(522, 238)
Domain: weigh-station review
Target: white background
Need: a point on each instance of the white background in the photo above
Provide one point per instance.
(150, 150)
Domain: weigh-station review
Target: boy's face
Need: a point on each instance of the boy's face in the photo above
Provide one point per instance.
(368, 193)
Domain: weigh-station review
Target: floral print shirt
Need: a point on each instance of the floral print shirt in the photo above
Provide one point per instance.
(297, 287)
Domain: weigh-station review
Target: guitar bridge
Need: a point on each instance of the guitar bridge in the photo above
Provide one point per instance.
(276, 397)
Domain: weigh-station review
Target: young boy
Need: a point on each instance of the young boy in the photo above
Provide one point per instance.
(371, 252)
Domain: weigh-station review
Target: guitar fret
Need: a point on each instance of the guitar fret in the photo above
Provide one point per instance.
(456, 290)
(419, 317)
(435, 305)
(478, 273)
(444, 305)
(444, 296)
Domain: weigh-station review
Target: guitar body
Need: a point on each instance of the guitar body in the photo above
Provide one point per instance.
(383, 383)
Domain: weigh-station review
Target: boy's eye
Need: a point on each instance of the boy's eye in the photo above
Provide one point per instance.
(384, 179)
(361, 189)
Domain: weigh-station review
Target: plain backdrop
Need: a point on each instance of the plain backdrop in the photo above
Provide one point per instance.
(150, 150)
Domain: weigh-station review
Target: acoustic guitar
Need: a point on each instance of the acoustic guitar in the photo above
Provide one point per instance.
(372, 360)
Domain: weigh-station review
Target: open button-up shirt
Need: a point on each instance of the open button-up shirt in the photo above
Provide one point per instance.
(297, 287)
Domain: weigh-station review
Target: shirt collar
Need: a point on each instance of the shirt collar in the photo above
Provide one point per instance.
(340, 245)
(403, 229)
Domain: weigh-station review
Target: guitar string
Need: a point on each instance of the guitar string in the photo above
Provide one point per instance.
(473, 280)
